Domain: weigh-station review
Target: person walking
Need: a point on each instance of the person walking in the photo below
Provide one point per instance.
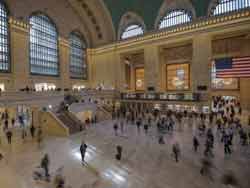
(9, 136)
(32, 131)
(39, 136)
(83, 149)
(161, 139)
(208, 147)
(13, 122)
(119, 152)
(196, 143)
(227, 149)
(176, 151)
(24, 134)
(45, 162)
(115, 129)
(6, 125)
(138, 124)
(206, 167)
(146, 128)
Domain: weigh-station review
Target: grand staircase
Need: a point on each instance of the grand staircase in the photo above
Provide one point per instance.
(71, 122)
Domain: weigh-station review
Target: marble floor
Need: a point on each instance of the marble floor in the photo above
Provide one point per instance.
(144, 164)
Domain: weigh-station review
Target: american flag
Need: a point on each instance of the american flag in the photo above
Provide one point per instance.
(233, 67)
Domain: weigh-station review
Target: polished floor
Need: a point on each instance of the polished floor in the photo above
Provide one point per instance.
(145, 163)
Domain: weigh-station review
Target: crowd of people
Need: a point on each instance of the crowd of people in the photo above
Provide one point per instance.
(222, 124)
(10, 130)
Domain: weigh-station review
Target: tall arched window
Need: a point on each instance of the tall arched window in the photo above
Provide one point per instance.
(174, 18)
(43, 46)
(224, 6)
(4, 39)
(132, 31)
(78, 65)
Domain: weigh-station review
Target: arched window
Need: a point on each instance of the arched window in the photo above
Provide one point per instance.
(132, 31)
(174, 18)
(43, 46)
(224, 6)
(4, 39)
(78, 65)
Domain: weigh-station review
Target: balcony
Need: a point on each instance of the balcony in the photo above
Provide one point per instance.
(31, 98)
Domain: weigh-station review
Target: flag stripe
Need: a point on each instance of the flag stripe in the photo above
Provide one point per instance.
(241, 65)
(241, 58)
(232, 67)
(235, 69)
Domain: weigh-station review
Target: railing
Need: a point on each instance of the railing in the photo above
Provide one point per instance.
(103, 114)
(110, 94)
(28, 96)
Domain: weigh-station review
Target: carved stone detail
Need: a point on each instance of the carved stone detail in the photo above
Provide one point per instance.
(179, 52)
(228, 45)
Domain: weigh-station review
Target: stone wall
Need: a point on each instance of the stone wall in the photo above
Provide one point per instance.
(198, 47)
(66, 21)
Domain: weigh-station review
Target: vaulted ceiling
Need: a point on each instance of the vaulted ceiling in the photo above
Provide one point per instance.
(101, 18)
(148, 9)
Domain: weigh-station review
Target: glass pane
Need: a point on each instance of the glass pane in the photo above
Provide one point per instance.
(132, 31)
(225, 6)
(78, 65)
(174, 18)
(139, 79)
(43, 46)
(178, 77)
(4, 42)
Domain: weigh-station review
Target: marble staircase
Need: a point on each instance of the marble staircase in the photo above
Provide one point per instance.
(73, 124)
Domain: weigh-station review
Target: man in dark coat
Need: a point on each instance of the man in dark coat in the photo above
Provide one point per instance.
(83, 149)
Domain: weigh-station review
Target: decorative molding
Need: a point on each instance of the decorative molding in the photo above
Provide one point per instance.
(178, 52)
(63, 41)
(19, 24)
(197, 25)
(228, 45)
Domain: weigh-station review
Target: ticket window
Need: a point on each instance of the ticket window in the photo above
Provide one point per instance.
(178, 77)
(139, 79)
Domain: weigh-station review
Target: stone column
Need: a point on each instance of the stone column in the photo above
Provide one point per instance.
(89, 67)
(118, 79)
(152, 68)
(19, 49)
(201, 62)
(245, 82)
(132, 80)
(64, 60)
(244, 93)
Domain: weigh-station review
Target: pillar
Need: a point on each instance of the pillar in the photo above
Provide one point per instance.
(245, 82)
(152, 68)
(201, 62)
(19, 49)
(64, 59)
